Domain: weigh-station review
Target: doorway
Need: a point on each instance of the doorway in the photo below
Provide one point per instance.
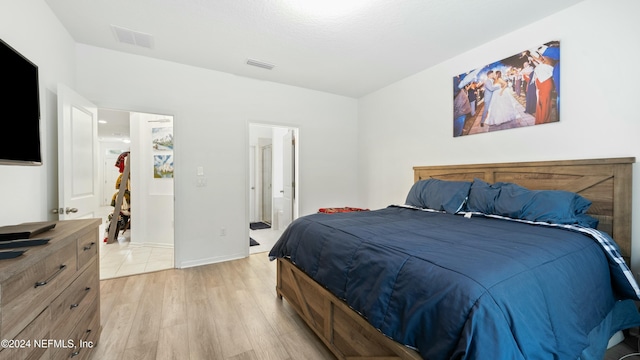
(273, 183)
(147, 245)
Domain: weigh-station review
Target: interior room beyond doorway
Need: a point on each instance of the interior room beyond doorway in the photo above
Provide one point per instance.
(147, 243)
(273, 182)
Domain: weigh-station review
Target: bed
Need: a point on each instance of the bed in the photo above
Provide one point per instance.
(444, 280)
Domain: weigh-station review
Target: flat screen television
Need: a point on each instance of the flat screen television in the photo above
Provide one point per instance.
(20, 109)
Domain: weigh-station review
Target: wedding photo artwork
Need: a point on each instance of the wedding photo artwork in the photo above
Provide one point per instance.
(518, 91)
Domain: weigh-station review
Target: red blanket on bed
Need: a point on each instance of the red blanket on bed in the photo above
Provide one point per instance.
(340, 210)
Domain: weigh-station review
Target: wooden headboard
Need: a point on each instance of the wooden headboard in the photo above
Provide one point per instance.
(606, 182)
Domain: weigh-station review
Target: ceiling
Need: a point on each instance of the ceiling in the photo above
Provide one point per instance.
(113, 125)
(344, 47)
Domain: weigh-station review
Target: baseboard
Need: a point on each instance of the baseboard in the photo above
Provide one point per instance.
(208, 261)
(150, 244)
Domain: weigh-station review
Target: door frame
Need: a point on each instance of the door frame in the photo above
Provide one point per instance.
(251, 127)
(142, 110)
(266, 184)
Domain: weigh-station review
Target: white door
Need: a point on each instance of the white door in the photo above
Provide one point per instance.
(267, 183)
(252, 184)
(288, 178)
(78, 190)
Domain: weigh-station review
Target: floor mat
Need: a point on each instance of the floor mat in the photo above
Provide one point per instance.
(259, 225)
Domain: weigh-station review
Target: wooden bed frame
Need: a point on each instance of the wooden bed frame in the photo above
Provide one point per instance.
(606, 182)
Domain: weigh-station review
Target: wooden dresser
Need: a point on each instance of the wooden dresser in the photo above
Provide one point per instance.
(50, 295)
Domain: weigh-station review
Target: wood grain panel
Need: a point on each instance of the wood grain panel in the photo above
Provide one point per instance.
(70, 306)
(87, 248)
(38, 329)
(22, 300)
(344, 332)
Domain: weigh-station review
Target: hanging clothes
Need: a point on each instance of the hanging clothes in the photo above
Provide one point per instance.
(126, 197)
(119, 180)
(122, 221)
(121, 160)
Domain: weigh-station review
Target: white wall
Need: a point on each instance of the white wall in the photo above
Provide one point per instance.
(152, 200)
(410, 122)
(211, 112)
(30, 27)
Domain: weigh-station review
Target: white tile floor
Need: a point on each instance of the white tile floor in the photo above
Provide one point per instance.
(122, 258)
(266, 238)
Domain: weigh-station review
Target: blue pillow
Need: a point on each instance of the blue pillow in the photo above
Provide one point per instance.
(482, 197)
(436, 194)
(517, 202)
(587, 221)
(553, 206)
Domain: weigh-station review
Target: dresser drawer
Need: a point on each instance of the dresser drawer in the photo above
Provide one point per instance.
(87, 248)
(84, 336)
(74, 301)
(27, 293)
(24, 345)
(91, 335)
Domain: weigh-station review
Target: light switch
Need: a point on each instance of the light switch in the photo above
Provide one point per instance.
(201, 182)
(200, 170)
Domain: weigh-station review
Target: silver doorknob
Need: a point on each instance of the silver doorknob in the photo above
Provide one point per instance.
(57, 211)
(70, 210)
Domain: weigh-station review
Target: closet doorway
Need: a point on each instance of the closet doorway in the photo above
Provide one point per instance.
(273, 183)
(146, 140)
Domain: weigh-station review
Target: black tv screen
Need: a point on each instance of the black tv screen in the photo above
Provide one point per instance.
(20, 104)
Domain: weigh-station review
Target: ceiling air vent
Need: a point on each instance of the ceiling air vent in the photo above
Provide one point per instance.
(131, 37)
(260, 64)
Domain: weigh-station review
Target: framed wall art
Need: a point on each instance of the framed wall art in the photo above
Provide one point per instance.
(162, 145)
(162, 138)
(162, 166)
(517, 91)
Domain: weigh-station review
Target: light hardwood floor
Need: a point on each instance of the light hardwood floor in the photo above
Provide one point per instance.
(226, 311)
(221, 311)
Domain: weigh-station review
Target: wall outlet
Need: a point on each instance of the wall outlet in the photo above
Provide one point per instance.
(223, 232)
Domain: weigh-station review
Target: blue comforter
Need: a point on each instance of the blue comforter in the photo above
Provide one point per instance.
(465, 288)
